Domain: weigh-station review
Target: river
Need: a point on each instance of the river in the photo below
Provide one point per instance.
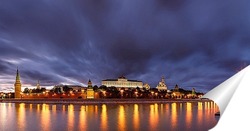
(172, 116)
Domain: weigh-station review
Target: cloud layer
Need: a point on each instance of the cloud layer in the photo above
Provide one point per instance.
(192, 43)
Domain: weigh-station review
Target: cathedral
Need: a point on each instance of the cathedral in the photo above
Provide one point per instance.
(162, 85)
(17, 85)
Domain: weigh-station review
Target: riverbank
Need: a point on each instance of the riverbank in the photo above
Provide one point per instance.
(99, 101)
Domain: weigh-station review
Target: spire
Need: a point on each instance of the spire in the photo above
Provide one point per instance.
(89, 83)
(162, 79)
(38, 84)
(17, 75)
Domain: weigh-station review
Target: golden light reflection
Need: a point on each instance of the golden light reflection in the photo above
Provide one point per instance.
(180, 107)
(38, 108)
(30, 106)
(96, 110)
(161, 109)
(121, 119)
(199, 113)
(21, 116)
(215, 107)
(3, 113)
(45, 117)
(153, 117)
(71, 117)
(54, 110)
(82, 119)
(136, 117)
(104, 118)
(189, 115)
(174, 116)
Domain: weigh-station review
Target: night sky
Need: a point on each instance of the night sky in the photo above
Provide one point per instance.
(192, 43)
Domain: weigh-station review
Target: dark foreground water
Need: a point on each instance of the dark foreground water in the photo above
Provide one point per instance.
(193, 116)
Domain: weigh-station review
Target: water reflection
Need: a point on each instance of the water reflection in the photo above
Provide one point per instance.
(174, 116)
(121, 119)
(153, 117)
(20, 114)
(189, 115)
(200, 112)
(169, 116)
(104, 118)
(82, 119)
(45, 117)
(71, 117)
(136, 117)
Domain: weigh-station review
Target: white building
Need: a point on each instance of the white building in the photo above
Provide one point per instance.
(122, 82)
(162, 85)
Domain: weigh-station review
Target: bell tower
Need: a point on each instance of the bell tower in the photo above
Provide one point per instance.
(17, 85)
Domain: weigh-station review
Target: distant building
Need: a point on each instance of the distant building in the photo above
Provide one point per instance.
(38, 85)
(75, 88)
(17, 85)
(122, 82)
(176, 93)
(89, 84)
(162, 86)
(146, 86)
(90, 91)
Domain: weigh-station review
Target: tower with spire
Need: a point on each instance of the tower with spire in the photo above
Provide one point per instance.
(89, 84)
(38, 85)
(17, 85)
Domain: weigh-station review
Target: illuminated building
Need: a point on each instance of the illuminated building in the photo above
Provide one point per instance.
(122, 82)
(17, 85)
(90, 91)
(162, 85)
(89, 83)
(146, 86)
(176, 93)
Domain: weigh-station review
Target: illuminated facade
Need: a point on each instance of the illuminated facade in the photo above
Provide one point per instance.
(122, 82)
(162, 85)
(90, 91)
(17, 85)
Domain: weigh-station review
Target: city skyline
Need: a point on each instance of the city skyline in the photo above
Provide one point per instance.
(192, 44)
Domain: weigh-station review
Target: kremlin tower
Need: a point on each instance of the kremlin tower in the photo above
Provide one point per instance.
(17, 85)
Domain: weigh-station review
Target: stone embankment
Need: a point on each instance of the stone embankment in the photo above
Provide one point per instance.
(99, 101)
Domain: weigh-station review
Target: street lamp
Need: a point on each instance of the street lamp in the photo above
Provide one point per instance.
(136, 94)
(122, 93)
(152, 94)
(156, 94)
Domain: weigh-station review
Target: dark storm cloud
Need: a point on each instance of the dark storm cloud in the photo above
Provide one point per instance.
(192, 43)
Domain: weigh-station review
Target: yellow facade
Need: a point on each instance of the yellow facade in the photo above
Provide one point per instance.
(90, 94)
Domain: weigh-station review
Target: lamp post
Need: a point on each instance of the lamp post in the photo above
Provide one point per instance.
(136, 94)
(156, 94)
(122, 93)
(152, 94)
(104, 94)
